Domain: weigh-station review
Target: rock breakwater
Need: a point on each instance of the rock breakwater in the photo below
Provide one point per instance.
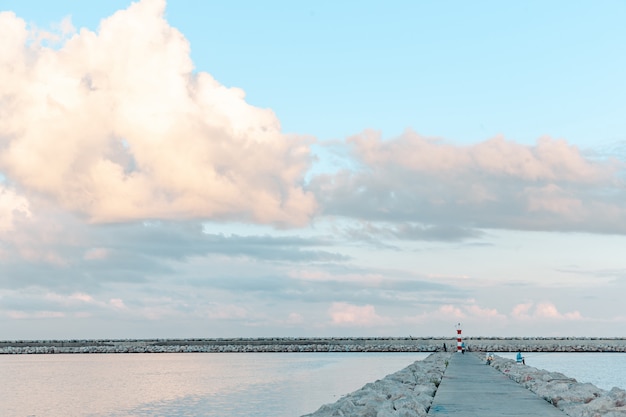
(242, 345)
(572, 397)
(541, 344)
(256, 345)
(408, 392)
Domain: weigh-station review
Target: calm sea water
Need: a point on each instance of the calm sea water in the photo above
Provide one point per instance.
(604, 370)
(186, 384)
(234, 385)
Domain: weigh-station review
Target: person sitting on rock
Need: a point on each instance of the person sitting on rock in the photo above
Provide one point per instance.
(520, 358)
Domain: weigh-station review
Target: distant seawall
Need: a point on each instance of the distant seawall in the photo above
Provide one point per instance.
(360, 344)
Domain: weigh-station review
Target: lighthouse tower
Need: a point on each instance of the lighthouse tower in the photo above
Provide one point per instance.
(459, 343)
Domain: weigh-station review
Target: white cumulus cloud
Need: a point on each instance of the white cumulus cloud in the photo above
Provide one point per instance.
(116, 125)
(345, 314)
(422, 182)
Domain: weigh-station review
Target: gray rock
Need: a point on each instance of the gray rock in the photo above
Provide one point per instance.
(573, 398)
(406, 393)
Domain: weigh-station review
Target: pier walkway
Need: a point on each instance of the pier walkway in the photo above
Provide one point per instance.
(470, 388)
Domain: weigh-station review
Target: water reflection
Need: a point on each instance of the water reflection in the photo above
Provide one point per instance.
(186, 384)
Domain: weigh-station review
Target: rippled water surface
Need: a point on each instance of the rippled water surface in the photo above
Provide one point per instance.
(186, 384)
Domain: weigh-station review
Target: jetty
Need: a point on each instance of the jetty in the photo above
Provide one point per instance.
(470, 388)
(456, 384)
(313, 344)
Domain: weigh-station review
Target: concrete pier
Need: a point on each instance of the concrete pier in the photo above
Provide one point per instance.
(470, 388)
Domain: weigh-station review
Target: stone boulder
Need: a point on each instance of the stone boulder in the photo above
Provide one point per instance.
(406, 393)
(572, 397)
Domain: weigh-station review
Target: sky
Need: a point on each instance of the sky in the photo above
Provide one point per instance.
(293, 169)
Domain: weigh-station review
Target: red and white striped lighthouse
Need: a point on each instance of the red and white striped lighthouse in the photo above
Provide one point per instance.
(459, 343)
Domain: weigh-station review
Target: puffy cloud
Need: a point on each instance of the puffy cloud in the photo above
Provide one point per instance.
(545, 310)
(465, 311)
(522, 310)
(548, 160)
(12, 206)
(31, 231)
(451, 311)
(344, 314)
(485, 313)
(118, 126)
(427, 184)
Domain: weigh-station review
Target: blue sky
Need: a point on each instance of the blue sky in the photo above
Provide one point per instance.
(203, 169)
(464, 72)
